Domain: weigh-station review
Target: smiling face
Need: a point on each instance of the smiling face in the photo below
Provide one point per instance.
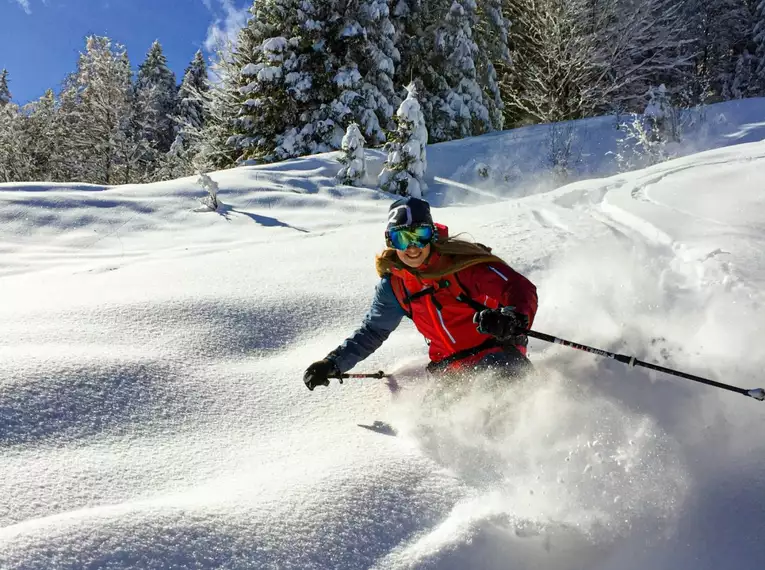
(413, 256)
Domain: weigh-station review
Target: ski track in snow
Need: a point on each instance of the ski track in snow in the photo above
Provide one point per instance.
(152, 413)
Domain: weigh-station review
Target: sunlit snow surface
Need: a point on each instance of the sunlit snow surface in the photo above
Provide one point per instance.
(152, 413)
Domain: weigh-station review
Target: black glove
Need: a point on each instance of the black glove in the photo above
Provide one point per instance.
(319, 373)
(504, 324)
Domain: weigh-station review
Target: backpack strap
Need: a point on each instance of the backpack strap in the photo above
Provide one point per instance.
(450, 282)
(402, 295)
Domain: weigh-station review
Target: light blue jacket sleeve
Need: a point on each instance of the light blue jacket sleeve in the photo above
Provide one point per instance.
(383, 317)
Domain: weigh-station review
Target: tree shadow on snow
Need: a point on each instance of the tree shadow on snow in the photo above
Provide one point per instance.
(266, 221)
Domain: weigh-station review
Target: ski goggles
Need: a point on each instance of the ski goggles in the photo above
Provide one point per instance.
(403, 236)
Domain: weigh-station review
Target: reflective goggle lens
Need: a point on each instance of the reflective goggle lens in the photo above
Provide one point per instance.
(418, 236)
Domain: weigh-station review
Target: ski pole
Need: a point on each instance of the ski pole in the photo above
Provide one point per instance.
(379, 374)
(757, 393)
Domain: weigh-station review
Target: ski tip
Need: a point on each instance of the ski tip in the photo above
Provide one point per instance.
(757, 394)
(380, 427)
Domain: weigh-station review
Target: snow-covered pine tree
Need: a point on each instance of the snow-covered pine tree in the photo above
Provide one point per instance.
(190, 112)
(12, 167)
(454, 43)
(742, 83)
(415, 22)
(352, 157)
(439, 43)
(5, 92)
(189, 119)
(40, 142)
(99, 106)
(156, 93)
(759, 42)
(404, 171)
(493, 57)
(309, 70)
(370, 52)
(214, 147)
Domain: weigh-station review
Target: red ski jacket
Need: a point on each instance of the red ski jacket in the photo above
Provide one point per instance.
(443, 309)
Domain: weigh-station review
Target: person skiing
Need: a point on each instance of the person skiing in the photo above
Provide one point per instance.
(471, 307)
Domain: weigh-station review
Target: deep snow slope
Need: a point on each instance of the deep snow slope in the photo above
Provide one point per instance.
(152, 413)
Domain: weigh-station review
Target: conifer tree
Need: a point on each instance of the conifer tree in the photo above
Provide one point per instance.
(216, 145)
(310, 68)
(759, 43)
(190, 107)
(455, 45)
(404, 171)
(11, 151)
(41, 144)
(492, 37)
(5, 92)
(156, 94)
(99, 102)
(352, 157)
(189, 123)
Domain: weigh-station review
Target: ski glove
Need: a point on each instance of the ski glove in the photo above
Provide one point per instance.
(504, 324)
(319, 373)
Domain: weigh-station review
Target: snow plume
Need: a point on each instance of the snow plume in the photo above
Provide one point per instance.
(527, 472)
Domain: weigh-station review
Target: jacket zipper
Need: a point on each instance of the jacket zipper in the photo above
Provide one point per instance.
(440, 320)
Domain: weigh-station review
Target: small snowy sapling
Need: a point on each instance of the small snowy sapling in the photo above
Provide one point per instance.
(352, 157)
(211, 200)
(404, 171)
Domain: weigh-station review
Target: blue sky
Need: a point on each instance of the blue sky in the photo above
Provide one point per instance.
(41, 39)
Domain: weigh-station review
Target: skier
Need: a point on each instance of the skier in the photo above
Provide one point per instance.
(470, 306)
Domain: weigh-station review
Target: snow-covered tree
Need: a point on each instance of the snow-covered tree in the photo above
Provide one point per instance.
(11, 150)
(453, 47)
(5, 92)
(759, 42)
(352, 157)
(215, 145)
(190, 119)
(99, 109)
(372, 53)
(310, 68)
(720, 31)
(210, 200)
(742, 83)
(415, 22)
(404, 171)
(156, 94)
(190, 104)
(454, 43)
(491, 35)
(577, 58)
(40, 143)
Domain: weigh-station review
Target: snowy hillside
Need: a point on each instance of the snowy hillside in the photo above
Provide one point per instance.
(152, 412)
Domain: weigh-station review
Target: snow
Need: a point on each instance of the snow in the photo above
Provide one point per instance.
(153, 415)
(275, 45)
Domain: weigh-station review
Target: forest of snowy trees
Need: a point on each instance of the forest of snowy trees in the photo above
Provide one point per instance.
(302, 71)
